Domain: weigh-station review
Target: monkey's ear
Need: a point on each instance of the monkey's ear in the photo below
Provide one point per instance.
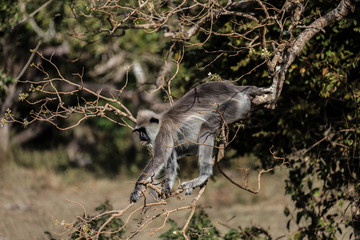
(154, 120)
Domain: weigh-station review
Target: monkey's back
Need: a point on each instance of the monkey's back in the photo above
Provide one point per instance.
(204, 98)
(223, 100)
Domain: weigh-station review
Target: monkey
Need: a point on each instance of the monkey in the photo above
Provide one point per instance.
(189, 127)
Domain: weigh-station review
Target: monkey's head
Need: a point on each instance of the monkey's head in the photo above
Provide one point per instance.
(147, 125)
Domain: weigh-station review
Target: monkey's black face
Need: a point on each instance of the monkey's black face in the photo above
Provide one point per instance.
(142, 135)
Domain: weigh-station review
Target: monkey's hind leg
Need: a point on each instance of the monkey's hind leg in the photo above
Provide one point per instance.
(206, 141)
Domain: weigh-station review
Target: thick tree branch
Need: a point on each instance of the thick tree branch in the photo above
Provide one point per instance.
(294, 48)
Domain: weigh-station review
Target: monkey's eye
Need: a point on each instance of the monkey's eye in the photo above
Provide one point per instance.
(154, 120)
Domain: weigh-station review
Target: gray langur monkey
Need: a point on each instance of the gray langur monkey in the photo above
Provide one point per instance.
(187, 128)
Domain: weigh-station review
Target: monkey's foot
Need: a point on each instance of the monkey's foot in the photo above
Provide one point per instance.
(192, 184)
(188, 187)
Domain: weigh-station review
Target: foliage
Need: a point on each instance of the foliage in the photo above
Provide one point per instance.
(324, 135)
(9, 11)
(250, 233)
(316, 123)
(200, 226)
(88, 230)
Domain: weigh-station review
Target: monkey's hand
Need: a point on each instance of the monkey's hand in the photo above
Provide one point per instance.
(135, 195)
(165, 192)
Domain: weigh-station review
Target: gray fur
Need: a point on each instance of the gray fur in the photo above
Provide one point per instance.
(189, 127)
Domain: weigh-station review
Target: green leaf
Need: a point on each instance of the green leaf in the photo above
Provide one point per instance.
(286, 211)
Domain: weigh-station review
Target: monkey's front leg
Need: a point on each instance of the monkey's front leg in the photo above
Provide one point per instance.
(170, 173)
(151, 170)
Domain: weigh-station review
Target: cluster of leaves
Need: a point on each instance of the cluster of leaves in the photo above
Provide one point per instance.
(9, 11)
(201, 227)
(249, 233)
(87, 229)
(114, 225)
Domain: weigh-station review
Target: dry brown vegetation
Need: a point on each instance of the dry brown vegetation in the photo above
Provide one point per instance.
(37, 200)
